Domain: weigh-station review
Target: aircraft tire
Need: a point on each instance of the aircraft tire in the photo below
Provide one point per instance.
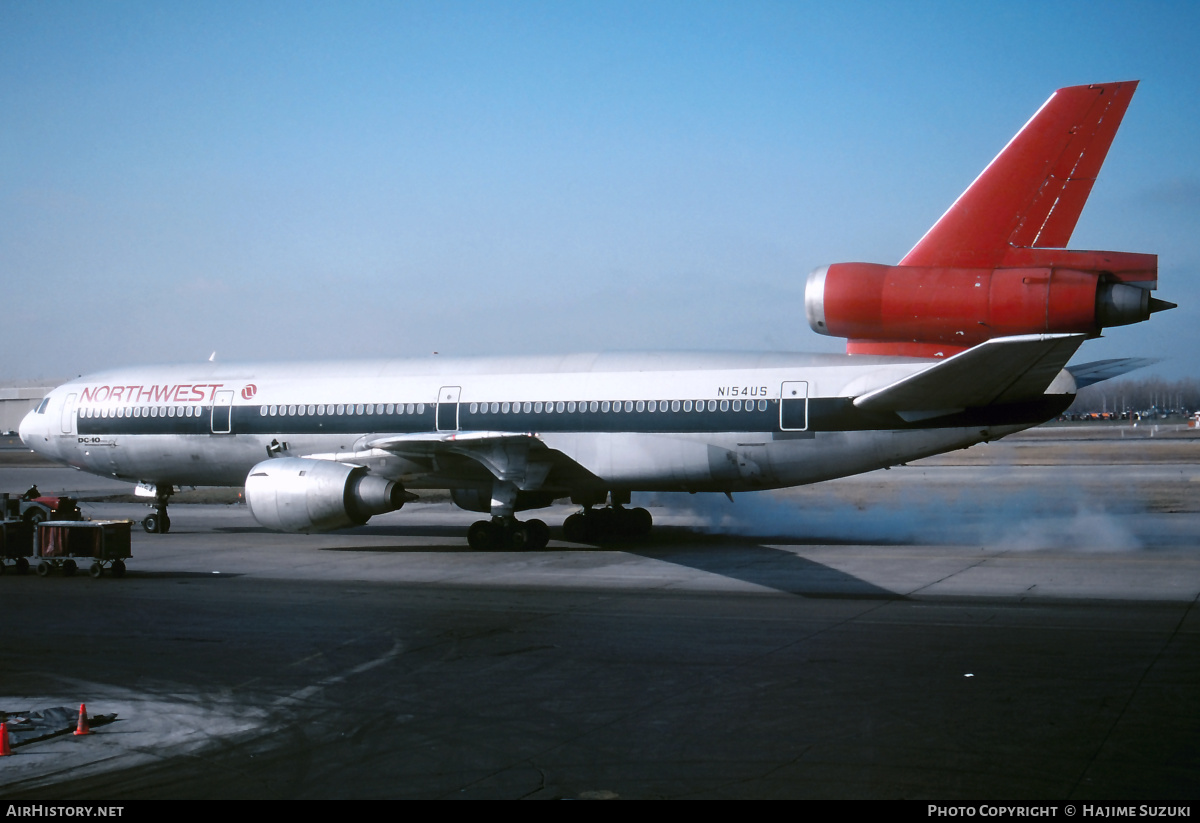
(538, 533)
(150, 524)
(95, 570)
(481, 536)
(518, 538)
(575, 528)
(165, 526)
(603, 524)
(641, 522)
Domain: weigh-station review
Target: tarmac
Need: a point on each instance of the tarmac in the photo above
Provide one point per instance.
(1017, 621)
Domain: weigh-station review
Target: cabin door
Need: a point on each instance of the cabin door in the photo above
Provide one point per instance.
(222, 418)
(447, 408)
(793, 406)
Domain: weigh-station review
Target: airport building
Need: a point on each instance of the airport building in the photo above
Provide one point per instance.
(19, 397)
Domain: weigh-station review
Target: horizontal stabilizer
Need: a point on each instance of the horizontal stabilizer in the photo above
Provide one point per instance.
(1087, 374)
(1002, 370)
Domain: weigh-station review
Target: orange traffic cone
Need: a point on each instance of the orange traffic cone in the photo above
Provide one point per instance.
(4, 747)
(82, 727)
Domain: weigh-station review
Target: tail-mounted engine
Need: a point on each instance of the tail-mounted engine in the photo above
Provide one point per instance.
(996, 264)
(296, 494)
(927, 311)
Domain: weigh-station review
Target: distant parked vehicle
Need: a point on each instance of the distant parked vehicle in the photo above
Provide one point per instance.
(41, 508)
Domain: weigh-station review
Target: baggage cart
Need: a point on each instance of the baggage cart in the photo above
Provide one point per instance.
(16, 545)
(63, 545)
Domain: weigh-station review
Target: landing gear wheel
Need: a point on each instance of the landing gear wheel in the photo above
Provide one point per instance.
(118, 568)
(69, 567)
(538, 535)
(43, 569)
(151, 524)
(640, 522)
(518, 537)
(164, 525)
(22, 566)
(482, 537)
(575, 528)
(95, 570)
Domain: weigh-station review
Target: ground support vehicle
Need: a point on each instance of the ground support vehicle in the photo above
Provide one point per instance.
(102, 544)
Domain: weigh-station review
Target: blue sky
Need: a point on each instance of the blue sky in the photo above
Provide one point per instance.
(292, 180)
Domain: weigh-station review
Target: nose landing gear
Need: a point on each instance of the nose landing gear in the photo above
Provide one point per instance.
(159, 522)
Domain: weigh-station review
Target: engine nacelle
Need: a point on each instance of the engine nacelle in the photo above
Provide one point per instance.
(956, 308)
(297, 494)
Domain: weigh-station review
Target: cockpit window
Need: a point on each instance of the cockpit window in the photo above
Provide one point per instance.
(41, 409)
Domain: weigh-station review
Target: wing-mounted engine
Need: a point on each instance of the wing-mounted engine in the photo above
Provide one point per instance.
(995, 264)
(297, 494)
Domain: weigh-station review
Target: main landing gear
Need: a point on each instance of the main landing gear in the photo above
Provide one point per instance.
(592, 525)
(159, 522)
(508, 534)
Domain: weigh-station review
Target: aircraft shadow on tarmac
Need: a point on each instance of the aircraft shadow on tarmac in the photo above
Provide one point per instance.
(734, 557)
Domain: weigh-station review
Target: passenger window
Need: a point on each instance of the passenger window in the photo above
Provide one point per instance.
(762, 405)
(674, 405)
(420, 408)
(724, 405)
(641, 406)
(537, 407)
(560, 405)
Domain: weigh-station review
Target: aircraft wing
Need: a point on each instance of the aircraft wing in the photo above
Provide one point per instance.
(1001, 370)
(517, 457)
(431, 443)
(1086, 374)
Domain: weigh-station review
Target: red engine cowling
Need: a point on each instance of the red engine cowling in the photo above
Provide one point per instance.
(931, 311)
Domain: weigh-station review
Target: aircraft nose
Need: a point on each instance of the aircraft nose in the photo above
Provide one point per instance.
(28, 428)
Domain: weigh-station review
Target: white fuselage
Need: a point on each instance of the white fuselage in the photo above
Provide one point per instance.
(691, 422)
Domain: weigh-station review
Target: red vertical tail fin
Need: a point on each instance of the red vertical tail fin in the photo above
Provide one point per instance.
(1031, 195)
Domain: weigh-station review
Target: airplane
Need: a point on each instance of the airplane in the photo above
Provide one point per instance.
(965, 341)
